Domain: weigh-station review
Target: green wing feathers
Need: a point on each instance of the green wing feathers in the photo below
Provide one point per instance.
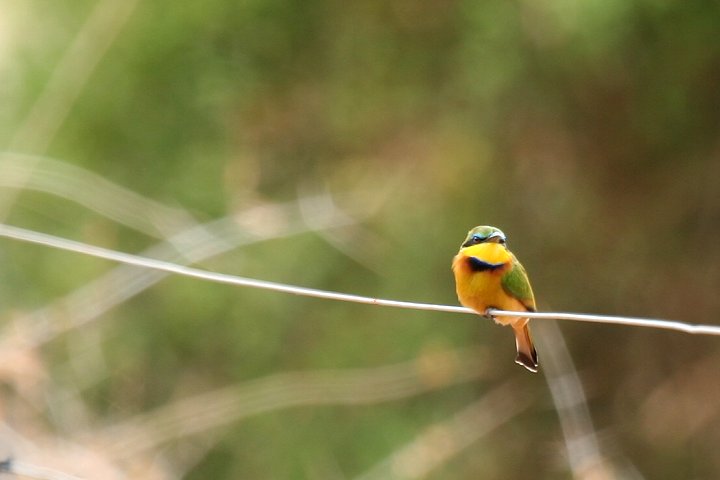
(515, 283)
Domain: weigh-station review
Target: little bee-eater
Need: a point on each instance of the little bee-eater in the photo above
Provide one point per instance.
(487, 275)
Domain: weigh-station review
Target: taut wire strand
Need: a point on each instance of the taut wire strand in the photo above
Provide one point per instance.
(30, 236)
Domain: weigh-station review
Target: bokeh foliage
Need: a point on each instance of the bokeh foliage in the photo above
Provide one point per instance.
(587, 131)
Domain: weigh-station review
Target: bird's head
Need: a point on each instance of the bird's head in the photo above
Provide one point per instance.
(484, 234)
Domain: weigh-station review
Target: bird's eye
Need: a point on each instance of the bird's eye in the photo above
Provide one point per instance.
(502, 241)
(477, 239)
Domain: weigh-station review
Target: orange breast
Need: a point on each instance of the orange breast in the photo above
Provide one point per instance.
(481, 290)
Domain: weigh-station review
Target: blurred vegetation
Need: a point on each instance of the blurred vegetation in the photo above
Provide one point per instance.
(587, 131)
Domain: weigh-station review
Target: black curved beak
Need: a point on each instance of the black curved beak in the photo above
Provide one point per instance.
(496, 238)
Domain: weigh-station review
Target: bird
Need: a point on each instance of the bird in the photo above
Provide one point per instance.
(488, 276)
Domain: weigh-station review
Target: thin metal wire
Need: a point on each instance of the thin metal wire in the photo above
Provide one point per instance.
(30, 236)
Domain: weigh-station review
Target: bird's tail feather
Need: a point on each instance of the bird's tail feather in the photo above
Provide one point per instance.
(526, 354)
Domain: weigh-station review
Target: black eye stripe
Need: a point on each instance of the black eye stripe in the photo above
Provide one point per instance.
(477, 238)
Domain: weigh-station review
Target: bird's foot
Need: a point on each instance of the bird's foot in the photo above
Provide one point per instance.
(489, 315)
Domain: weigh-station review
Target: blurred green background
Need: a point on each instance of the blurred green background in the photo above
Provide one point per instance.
(349, 146)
